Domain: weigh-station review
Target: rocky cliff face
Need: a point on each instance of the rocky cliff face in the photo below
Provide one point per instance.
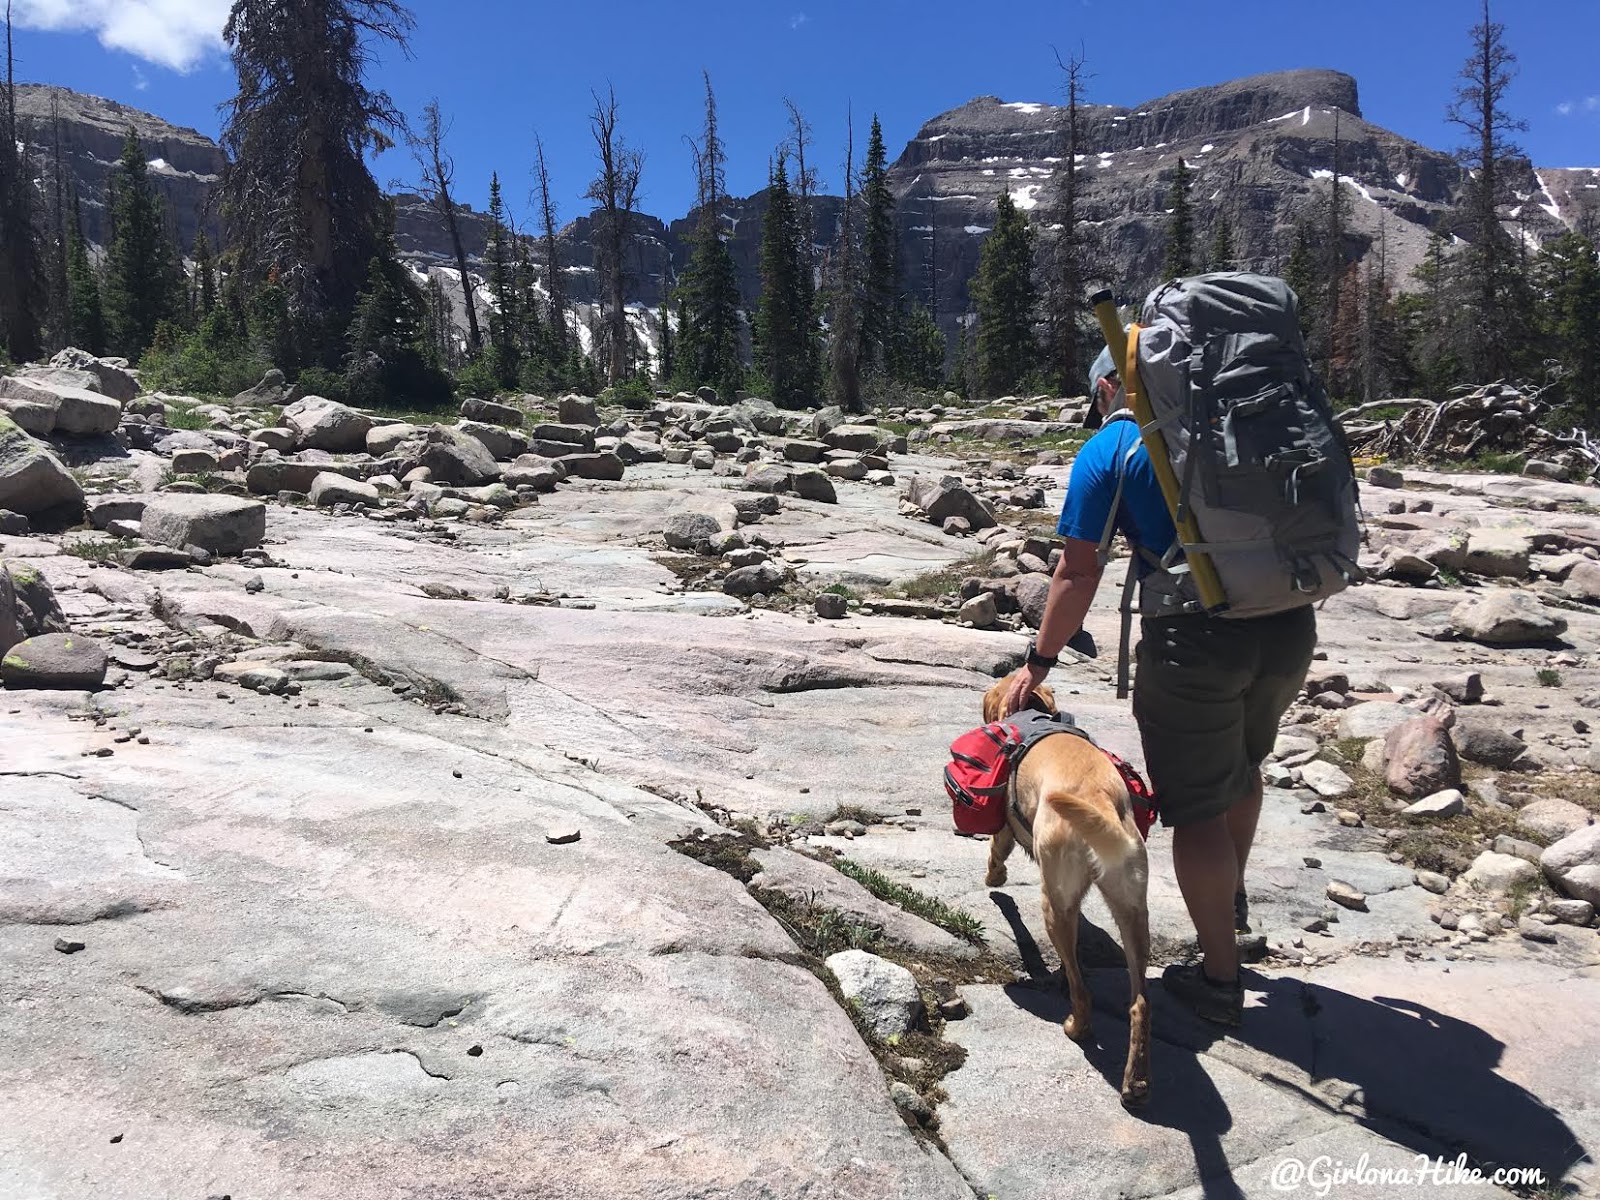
(185, 165)
(1261, 150)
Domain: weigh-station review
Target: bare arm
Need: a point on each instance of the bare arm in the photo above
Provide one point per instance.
(1072, 590)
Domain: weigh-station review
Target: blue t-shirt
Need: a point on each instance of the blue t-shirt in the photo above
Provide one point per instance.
(1142, 516)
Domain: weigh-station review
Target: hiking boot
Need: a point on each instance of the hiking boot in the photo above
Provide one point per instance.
(1219, 1003)
(1241, 912)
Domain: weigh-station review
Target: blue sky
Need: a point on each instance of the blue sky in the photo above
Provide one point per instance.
(502, 69)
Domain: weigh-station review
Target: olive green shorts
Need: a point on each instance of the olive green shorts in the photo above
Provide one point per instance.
(1208, 697)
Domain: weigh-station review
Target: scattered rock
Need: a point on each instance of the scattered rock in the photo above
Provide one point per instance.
(811, 484)
(907, 1100)
(32, 479)
(1497, 552)
(831, 606)
(328, 489)
(1466, 688)
(763, 578)
(606, 466)
(1573, 864)
(980, 611)
(1346, 896)
(884, 993)
(489, 411)
(69, 945)
(1498, 874)
(562, 835)
(943, 498)
(1553, 818)
(65, 661)
(1432, 881)
(457, 460)
(1570, 912)
(1506, 617)
(323, 424)
(1481, 741)
(1448, 803)
(688, 530)
(1385, 477)
(1032, 593)
(1325, 779)
(1420, 758)
(577, 410)
(216, 524)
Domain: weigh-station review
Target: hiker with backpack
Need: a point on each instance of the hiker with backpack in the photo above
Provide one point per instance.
(1232, 442)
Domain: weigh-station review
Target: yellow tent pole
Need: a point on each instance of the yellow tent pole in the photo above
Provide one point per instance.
(1124, 348)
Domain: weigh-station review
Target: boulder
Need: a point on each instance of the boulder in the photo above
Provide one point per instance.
(853, 437)
(1405, 567)
(55, 660)
(1032, 592)
(688, 530)
(831, 606)
(884, 994)
(1466, 688)
(10, 627)
(759, 416)
(35, 605)
(1420, 759)
(1448, 803)
(111, 379)
(1573, 864)
(576, 437)
(278, 438)
(632, 452)
(1505, 617)
(193, 462)
(1499, 553)
(540, 474)
(1583, 582)
(811, 484)
(1553, 818)
(323, 424)
(1498, 873)
(577, 410)
(328, 489)
(1326, 780)
(32, 479)
(455, 459)
(269, 392)
(492, 413)
(217, 524)
(501, 443)
(270, 476)
(943, 498)
(770, 478)
(1373, 719)
(799, 451)
(1385, 477)
(73, 411)
(764, 578)
(980, 611)
(1481, 741)
(826, 419)
(605, 466)
(382, 440)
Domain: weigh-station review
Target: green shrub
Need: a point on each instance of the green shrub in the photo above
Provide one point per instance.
(217, 359)
(480, 378)
(319, 381)
(637, 393)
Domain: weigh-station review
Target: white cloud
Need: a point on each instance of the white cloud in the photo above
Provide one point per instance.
(798, 20)
(170, 33)
(1564, 108)
(1589, 104)
(141, 81)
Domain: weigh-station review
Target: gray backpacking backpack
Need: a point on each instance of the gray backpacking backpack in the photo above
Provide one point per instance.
(1261, 464)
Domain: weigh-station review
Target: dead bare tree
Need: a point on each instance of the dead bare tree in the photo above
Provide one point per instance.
(552, 260)
(615, 189)
(844, 353)
(438, 174)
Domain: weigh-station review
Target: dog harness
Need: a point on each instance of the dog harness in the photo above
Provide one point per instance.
(981, 777)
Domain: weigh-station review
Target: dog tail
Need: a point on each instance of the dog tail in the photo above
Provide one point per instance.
(1095, 817)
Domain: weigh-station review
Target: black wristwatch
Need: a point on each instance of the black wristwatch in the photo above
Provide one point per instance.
(1035, 659)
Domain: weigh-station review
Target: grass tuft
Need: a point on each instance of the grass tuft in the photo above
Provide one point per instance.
(931, 909)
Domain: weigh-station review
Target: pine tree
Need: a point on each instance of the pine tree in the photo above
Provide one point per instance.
(392, 358)
(664, 363)
(1064, 301)
(1223, 253)
(917, 348)
(1569, 279)
(143, 280)
(1004, 291)
(533, 341)
(805, 186)
(205, 273)
(86, 324)
(879, 255)
(782, 354)
(22, 281)
(708, 341)
(504, 353)
(1434, 322)
(844, 350)
(1180, 225)
(1301, 274)
(1495, 291)
(441, 328)
(558, 348)
(302, 207)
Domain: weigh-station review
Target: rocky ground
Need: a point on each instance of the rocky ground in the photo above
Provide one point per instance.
(546, 803)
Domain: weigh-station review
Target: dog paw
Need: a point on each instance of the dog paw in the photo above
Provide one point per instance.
(1136, 1093)
(995, 878)
(1075, 1029)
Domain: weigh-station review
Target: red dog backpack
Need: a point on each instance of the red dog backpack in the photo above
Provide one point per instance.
(979, 775)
